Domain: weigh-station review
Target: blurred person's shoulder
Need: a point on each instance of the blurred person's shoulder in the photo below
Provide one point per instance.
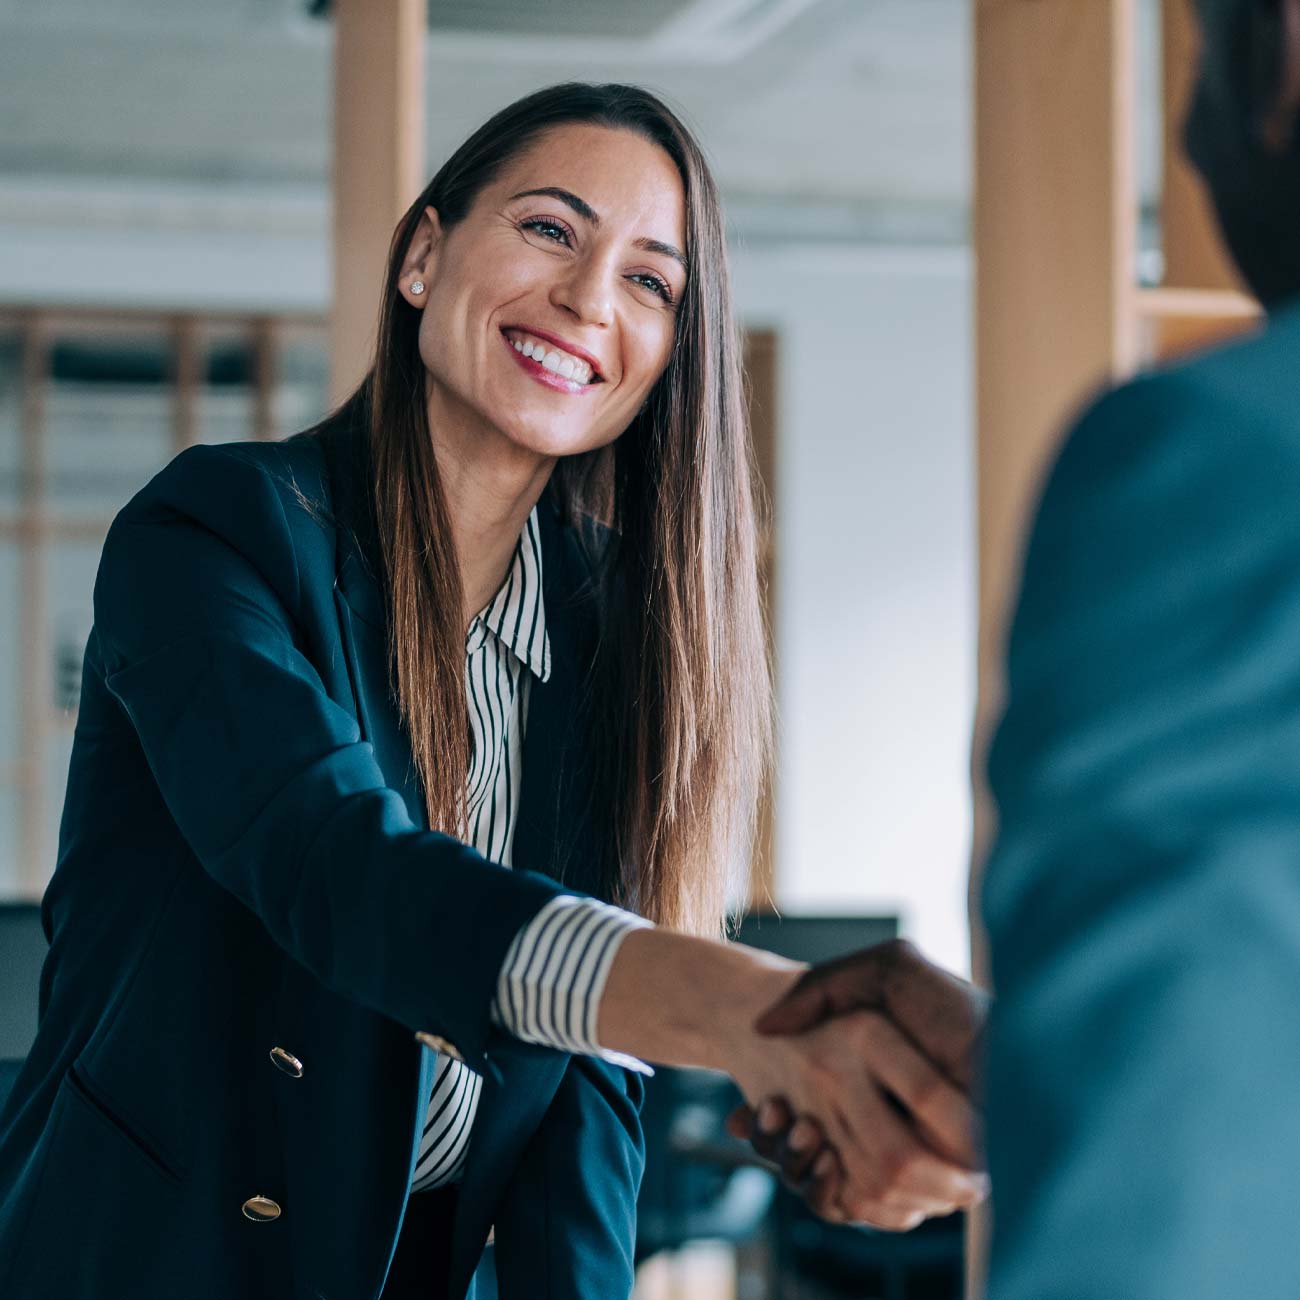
(1232, 403)
(1256, 374)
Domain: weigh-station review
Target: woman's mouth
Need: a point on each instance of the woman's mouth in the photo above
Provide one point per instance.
(549, 364)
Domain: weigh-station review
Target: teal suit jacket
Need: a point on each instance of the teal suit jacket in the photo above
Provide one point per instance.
(1143, 896)
(245, 863)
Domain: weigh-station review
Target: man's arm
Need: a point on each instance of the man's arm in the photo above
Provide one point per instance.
(1143, 898)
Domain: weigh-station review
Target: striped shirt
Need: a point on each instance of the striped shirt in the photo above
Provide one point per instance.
(549, 988)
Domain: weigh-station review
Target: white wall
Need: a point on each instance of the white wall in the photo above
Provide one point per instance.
(875, 580)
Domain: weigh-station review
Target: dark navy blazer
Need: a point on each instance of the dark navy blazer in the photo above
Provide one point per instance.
(244, 864)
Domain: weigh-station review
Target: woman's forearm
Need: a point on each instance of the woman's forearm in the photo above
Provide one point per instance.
(679, 1000)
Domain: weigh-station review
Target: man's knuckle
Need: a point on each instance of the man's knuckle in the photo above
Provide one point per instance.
(899, 951)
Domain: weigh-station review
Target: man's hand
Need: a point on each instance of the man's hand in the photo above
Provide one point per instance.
(942, 1015)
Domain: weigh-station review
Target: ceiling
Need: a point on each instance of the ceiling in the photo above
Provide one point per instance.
(841, 101)
(844, 117)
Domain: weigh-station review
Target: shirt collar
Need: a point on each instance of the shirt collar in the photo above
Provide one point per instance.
(516, 615)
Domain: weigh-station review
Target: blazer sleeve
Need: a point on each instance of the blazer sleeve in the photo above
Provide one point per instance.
(267, 777)
(566, 1228)
(1143, 896)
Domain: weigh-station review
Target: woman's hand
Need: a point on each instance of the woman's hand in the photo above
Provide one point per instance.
(798, 1149)
(903, 1134)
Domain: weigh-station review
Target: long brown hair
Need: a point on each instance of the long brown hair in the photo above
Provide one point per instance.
(681, 684)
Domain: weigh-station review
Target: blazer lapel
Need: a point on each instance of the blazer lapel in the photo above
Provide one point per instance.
(364, 620)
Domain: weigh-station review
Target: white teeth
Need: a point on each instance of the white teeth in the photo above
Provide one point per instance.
(557, 362)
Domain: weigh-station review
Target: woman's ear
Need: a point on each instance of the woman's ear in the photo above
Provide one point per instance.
(420, 263)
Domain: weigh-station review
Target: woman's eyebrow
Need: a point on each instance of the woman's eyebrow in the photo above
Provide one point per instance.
(588, 213)
(580, 206)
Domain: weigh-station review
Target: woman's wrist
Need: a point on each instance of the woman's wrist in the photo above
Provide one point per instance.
(680, 1000)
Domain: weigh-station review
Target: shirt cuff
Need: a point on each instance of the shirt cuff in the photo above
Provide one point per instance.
(553, 976)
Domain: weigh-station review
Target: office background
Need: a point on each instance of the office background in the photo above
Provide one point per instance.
(174, 158)
(167, 272)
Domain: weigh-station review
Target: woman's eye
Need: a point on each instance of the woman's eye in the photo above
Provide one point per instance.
(654, 283)
(547, 229)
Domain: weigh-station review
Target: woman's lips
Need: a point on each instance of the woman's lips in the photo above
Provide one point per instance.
(543, 376)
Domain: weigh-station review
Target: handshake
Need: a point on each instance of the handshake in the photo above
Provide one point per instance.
(877, 1123)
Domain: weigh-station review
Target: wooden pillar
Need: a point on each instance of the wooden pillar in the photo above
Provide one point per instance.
(265, 344)
(378, 163)
(1055, 244)
(187, 382)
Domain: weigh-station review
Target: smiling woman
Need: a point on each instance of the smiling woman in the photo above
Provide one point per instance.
(395, 741)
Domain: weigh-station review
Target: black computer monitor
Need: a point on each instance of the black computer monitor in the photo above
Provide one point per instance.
(814, 938)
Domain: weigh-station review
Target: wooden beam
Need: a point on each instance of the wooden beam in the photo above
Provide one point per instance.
(1174, 321)
(1055, 244)
(1195, 257)
(378, 163)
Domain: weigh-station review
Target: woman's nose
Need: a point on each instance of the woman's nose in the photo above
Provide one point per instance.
(586, 291)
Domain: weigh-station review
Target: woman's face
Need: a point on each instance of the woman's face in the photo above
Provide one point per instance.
(549, 310)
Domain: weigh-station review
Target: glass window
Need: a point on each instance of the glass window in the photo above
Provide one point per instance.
(118, 397)
(108, 419)
(301, 380)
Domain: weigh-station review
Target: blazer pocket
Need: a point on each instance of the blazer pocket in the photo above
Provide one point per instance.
(80, 1092)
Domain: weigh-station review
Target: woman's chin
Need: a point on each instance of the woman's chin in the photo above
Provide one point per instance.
(553, 443)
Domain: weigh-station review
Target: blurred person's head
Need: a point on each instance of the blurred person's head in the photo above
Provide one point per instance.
(1243, 134)
(575, 323)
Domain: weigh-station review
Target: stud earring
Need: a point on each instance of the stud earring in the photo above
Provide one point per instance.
(417, 286)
